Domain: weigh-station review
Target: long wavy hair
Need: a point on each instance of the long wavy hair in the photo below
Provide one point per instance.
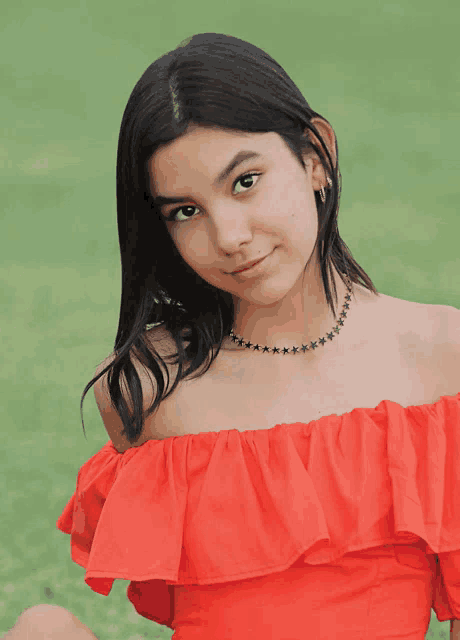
(217, 80)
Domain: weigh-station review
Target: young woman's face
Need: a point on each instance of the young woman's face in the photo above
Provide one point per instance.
(221, 224)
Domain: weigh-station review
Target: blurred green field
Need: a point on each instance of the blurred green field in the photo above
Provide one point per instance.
(386, 78)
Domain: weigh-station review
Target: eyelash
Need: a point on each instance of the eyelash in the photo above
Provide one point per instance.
(174, 212)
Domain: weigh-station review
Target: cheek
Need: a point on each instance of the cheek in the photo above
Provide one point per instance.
(304, 218)
(194, 251)
(292, 208)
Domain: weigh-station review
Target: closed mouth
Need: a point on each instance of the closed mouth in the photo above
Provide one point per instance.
(249, 266)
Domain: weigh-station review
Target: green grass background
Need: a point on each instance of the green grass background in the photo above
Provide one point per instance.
(385, 74)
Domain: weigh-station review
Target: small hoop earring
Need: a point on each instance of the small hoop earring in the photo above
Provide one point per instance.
(322, 192)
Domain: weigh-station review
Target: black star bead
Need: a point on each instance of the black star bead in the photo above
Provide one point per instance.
(304, 347)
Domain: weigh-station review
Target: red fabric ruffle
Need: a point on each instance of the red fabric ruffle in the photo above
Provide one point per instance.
(223, 506)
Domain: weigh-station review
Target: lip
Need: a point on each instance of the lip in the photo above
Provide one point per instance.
(253, 269)
(250, 265)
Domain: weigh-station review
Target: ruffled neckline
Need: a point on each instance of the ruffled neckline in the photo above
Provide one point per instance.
(368, 410)
(221, 506)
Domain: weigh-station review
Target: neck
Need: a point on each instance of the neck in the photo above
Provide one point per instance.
(301, 317)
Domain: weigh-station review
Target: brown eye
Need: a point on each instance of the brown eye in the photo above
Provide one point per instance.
(172, 217)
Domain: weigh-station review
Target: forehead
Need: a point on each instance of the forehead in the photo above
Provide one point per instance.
(202, 152)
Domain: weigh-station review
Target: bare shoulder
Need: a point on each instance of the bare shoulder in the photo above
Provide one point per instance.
(429, 321)
(434, 331)
(164, 345)
(452, 325)
(448, 348)
(443, 323)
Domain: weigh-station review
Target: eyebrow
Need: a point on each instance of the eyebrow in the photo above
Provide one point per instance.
(240, 157)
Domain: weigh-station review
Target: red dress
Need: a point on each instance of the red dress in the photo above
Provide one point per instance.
(347, 527)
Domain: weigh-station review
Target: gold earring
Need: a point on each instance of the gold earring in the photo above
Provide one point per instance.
(322, 192)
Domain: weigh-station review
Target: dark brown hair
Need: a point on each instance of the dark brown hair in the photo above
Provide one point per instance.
(209, 79)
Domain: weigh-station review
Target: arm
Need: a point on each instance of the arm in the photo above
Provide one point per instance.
(455, 630)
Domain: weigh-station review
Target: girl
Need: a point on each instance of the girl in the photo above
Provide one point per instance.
(292, 481)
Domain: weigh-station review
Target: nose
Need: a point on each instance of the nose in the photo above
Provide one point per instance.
(231, 232)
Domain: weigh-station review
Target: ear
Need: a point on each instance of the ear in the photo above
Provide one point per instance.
(325, 130)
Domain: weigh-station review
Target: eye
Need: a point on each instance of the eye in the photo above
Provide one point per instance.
(175, 212)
